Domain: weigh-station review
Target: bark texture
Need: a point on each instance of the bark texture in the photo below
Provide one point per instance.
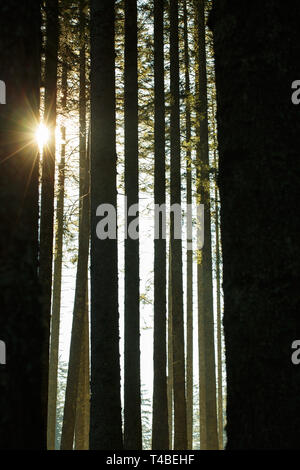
(180, 435)
(23, 403)
(106, 424)
(256, 53)
(160, 432)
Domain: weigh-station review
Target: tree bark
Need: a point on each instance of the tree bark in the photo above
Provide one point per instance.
(170, 356)
(189, 253)
(106, 424)
(58, 258)
(48, 176)
(218, 293)
(259, 140)
(160, 432)
(79, 311)
(207, 374)
(132, 392)
(180, 436)
(82, 424)
(23, 404)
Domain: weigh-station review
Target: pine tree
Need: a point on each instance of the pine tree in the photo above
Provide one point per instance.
(23, 416)
(160, 432)
(57, 276)
(207, 374)
(106, 425)
(48, 176)
(132, 393)
(259, 139)
(180, 434)
(189, 254)
(79, 311)
(82, 424)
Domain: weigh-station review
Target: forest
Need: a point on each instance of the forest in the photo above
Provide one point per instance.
(149, 255)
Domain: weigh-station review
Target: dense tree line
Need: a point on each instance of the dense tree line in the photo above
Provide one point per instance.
(139, 99)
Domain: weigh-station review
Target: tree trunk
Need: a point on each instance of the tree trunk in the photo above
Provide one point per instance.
(160, 432)
(106, 424)
(58, 258)
(218, 293)
(22, 402)
(259, 140)
(68, 428)
(48, 176)
(180, 436)
(83, 396)
(170, 356)
(207, 374)
(189, 254)
(132, 393)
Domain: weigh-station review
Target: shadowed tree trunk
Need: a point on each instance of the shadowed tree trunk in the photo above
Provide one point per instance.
(259, 141)
(82, 424)
(160, 432)
(207, 373)
(180, 436)
(58, 258)
(132, 393)
(79, 312)
(106, 424)
(23, 405)
(189, 253)
(218, 293)
(48, 176)
(170, 356)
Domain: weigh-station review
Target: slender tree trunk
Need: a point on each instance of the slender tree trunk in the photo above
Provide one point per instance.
(68, 428)
(160, 432)
(83, 396)
(219, 328)
(189, 254)
(106, 424)
(82, 424)
(180, 435)
(207, 374)
(58, 258)
(170, 356)
(259, 140)
(132, 393)
(48, 176)
(22, 398)
(218, 281)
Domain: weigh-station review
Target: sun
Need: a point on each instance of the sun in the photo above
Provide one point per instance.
(42, 135)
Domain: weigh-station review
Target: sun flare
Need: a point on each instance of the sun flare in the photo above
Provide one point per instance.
(42, 135)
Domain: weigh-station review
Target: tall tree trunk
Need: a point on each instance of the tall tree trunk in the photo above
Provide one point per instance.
(106, 424)
(79, 311)
(132, 393)
(207, 374)
(218, 293)
(219, 327)
(82, 424)
(170, 356)
(83, 396)
(189, 254)
(160, 432)
(180, 435)
(22, 398)
(259, 140)
(48, 176)
(58, 258)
